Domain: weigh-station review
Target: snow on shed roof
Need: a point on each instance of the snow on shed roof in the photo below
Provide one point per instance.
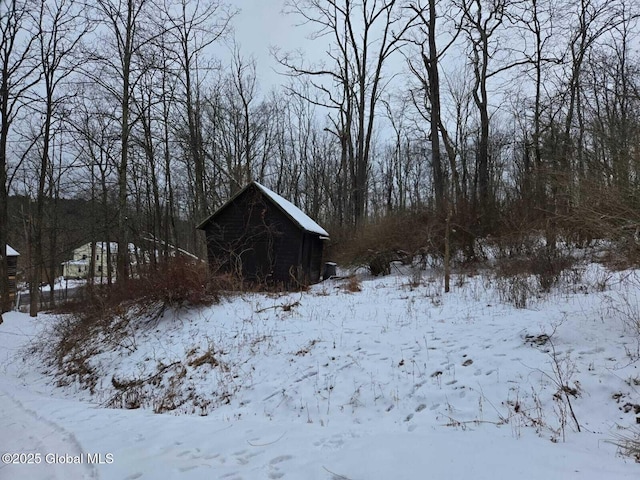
(294, 212)
(11, 252)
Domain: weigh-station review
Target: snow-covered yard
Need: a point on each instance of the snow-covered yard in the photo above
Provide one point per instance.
(396, 381)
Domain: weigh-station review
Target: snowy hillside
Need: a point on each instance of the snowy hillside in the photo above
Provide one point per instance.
(395, 381)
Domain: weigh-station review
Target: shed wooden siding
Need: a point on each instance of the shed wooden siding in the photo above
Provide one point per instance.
(13, 268)
(270, 245)
(257, 232)
(315, 257)
(12, 262)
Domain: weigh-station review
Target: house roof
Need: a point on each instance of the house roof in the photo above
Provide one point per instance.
(173, 250)
(11, 252)
(77, 263)
(113, 247)
(289, 209)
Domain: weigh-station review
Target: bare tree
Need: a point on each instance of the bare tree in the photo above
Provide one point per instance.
(192, 29)
(60, 28)
(124, 32)
(18, 73)
(242, 125)
(94, 130)
(428, 74)
(480, 29)
(364, 35)
(483, 23)
(535, 21)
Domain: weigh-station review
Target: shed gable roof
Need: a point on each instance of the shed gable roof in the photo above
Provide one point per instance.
(11, 252)
(296, 215)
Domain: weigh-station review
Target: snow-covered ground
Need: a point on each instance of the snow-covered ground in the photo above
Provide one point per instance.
(396, 381)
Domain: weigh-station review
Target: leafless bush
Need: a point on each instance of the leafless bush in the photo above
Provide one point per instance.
(629, 444)
(108, 319)
(563, 369)
(179, 282)
(405, 235)
(379, 262)
(625, 305)
(520, 278)
(353, 284)
(546, 264)
(517, 290)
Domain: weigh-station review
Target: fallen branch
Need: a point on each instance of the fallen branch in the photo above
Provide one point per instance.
(285, 307)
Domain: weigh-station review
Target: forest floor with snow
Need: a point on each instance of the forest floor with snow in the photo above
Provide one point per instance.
(381, 378)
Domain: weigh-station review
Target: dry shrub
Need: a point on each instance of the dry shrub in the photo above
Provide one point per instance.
(611, 213)
(106, 318)
(629, 444)
(548, 265)
(353, 284)
(409, 237)
(515, 290)
(179, 282)
(399, 236)
(520, 259)
(525, 267)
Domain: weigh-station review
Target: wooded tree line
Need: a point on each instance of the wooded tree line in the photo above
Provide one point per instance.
(500, 115)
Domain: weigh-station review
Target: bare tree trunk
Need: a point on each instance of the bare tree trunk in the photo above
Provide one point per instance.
(125, 23)
(59, 32)
(193, 27)
(431, 85)
(16, 79)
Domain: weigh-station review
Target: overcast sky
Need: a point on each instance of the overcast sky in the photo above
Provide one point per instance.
(262, 24)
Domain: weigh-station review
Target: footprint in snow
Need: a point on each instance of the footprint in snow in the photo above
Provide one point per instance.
(280, 459)
(186, 469)
(275, 473)
(333, 443)
(231, 476)
(243, 458)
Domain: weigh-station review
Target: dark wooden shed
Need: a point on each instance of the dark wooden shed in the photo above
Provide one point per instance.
(12, 261)
(265, 238)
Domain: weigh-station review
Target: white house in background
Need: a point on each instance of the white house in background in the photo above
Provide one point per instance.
(79, 265)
